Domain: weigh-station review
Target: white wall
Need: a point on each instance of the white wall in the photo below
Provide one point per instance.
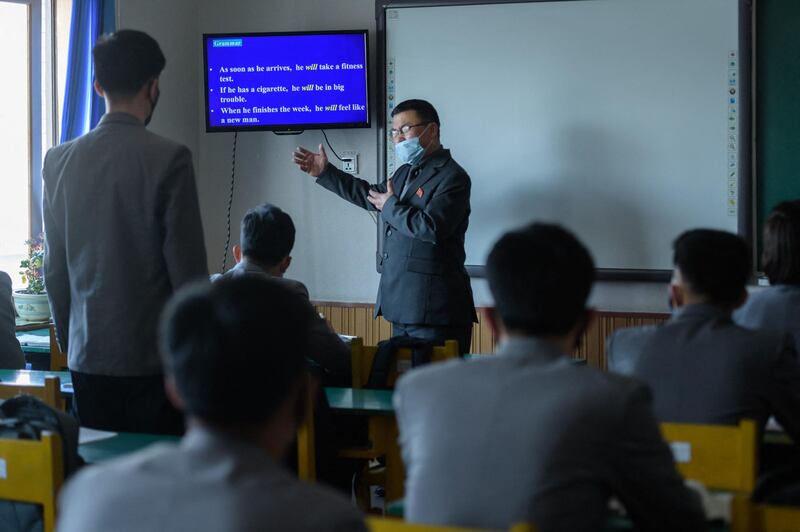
(335, 250)
(173, 24)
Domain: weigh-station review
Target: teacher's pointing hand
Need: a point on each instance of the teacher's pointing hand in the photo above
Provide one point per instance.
(309, 162)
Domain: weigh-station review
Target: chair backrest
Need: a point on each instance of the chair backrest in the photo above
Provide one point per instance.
(747, 516)
(58, 358)
(32, 472)
(720, 457)
(383, 524)
(49, 392)
(362, 357)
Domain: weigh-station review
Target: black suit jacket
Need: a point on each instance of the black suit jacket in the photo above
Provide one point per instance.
(424, 281)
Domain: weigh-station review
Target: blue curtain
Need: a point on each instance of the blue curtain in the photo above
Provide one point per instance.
(83, 108)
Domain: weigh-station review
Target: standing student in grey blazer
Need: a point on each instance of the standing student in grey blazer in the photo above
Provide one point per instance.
(778, 306)
(244, 401)
(11, 356)
(701, 366)
(527, 435)
(122, 233)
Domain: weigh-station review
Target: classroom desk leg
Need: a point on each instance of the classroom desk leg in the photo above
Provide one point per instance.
(395, 471)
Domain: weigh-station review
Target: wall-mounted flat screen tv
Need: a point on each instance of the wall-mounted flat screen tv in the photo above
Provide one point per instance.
(286, 81)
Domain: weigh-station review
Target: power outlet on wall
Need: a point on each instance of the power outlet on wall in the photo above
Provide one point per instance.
(350, 161)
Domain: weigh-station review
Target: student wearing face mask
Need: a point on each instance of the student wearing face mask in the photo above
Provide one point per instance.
(424, 289)
(123, 232)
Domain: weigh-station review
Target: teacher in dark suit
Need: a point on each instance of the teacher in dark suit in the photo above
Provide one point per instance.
(424, 290)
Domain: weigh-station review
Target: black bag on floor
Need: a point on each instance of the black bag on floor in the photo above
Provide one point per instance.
(25, 418)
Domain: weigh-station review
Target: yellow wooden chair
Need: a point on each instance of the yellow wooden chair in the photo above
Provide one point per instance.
(58, 358)
(383, 524)
(49, 392)
(720, 457)
(306, 450)
(362, 357)
(752, 517)
(33, 473)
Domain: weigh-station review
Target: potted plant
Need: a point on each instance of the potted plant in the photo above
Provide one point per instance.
(31, 302)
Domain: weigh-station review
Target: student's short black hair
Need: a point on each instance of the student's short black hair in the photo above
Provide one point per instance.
(424, 109)
(267, 234)
(124, 61)
(540, 277)
(235, 348)
(715, 264)
(781, 254)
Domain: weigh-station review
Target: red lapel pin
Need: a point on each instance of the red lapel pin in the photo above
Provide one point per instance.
(420, 192)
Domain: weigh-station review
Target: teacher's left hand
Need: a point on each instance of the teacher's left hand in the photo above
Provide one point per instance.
(378, 199)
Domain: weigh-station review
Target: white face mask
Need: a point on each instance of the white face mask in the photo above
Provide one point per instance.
(410, 151)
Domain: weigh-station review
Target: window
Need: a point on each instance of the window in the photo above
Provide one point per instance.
(15, 135)
(33, 63)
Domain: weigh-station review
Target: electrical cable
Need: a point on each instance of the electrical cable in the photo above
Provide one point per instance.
(230, 203)
(329, 145)
(371, 214)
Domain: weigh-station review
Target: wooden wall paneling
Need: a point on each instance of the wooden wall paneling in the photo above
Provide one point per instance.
(355, 319)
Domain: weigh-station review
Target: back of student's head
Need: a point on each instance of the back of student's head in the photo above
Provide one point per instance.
(781, 255)
(267, 234)
(714, 264)
(236, 348)
(540, 277)
(124, 61)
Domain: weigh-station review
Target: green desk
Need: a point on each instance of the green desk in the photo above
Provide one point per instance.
(38, 356)
(44, 333)
(360, 402)
(26, 376)
(376, 405)
(121, 444)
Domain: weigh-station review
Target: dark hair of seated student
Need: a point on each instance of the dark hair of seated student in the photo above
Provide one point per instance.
(780, 257)
(125, 61)
(267, 234)
(715, 265)
(540, 277)
(235, 353)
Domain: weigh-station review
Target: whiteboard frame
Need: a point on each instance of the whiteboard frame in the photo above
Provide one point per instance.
(747, 182)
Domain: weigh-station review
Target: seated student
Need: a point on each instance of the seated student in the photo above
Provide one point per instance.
(778, 307)
(11, 356)
(244, 400)
(528, 435)
(702, 367)
(267, 239)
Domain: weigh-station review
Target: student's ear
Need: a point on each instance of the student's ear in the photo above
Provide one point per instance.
(493, 319)
(237, 253)
(172, 393)
(676, 295)
(153, 90)
(98, 89)
(283, 265)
